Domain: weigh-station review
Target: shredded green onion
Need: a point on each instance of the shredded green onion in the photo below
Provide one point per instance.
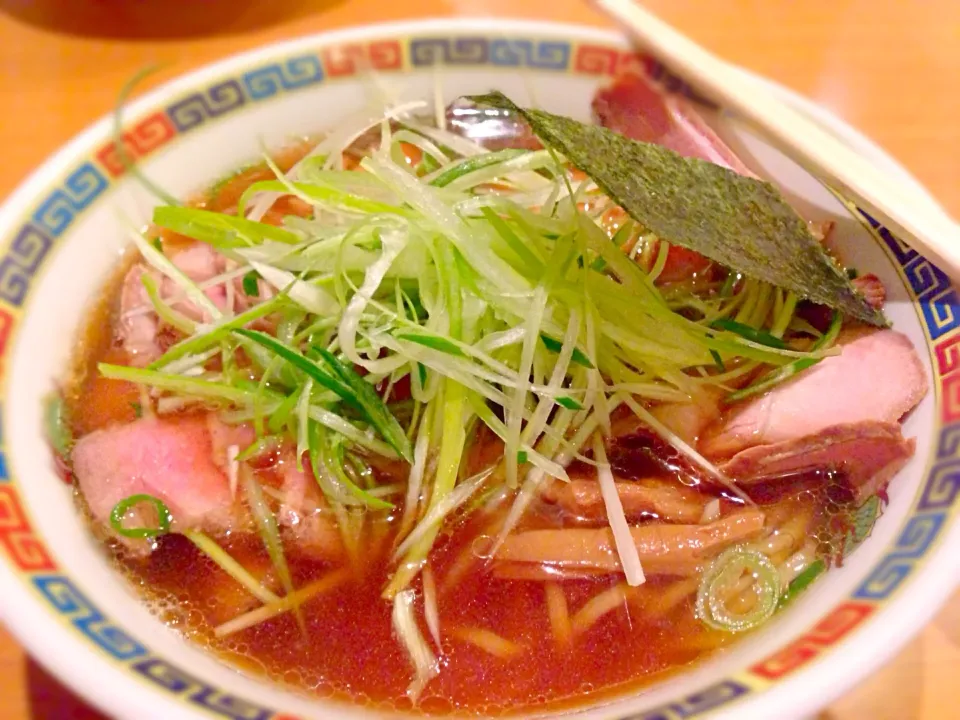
(344, 382)
(772, 379)
(163, 310)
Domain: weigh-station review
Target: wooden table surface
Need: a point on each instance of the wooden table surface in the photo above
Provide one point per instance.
(890, 68)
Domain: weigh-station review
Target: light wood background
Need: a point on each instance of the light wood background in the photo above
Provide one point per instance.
(890, 67)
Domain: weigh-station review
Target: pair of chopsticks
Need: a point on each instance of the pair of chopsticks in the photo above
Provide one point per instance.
(910, 215)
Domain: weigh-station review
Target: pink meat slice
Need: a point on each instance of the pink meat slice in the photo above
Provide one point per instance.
(200, 263)
(876, 377)
(637, 108)
(869, 453)
(169, 459)
(138, 325)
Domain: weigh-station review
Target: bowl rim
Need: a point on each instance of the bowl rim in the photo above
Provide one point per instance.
(87, 671)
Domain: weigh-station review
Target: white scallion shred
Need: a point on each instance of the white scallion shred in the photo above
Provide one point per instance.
(405, 625)
(393, 244)
(448, 504)
(626, 549)
(417, 472)
(303, 421)
(310, 297)
(190, 362)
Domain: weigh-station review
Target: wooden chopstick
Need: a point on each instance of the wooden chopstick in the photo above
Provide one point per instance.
(914, 218)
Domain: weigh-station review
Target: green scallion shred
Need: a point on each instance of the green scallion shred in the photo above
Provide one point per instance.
(785, 372)
(726, 290)
(221, 231)
(230, 566)
(772, 379)
(345, 382)
(183, 385)
(472, 164)
(198, 343)
(554, 345)
(747, 332)
(434, 342)
(251, 284)
(164, 311)
(259, 447)
(569, 403)
(121, 509)
(530, 263)
(279, 417)
(802, 581)
(338, 464)
(267, 527)
(718, 361)
(830, 336)
(428, 164)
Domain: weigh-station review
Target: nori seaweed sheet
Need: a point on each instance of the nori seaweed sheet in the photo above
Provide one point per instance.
(740, 222)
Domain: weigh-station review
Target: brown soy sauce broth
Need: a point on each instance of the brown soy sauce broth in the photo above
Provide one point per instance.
(348, 649)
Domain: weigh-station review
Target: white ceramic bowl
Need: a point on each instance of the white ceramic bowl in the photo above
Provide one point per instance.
(60, 233)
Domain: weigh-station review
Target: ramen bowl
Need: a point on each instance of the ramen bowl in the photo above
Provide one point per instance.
(62, 231)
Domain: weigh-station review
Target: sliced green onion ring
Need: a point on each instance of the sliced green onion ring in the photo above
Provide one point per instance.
(121, 508)
(724, 573)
